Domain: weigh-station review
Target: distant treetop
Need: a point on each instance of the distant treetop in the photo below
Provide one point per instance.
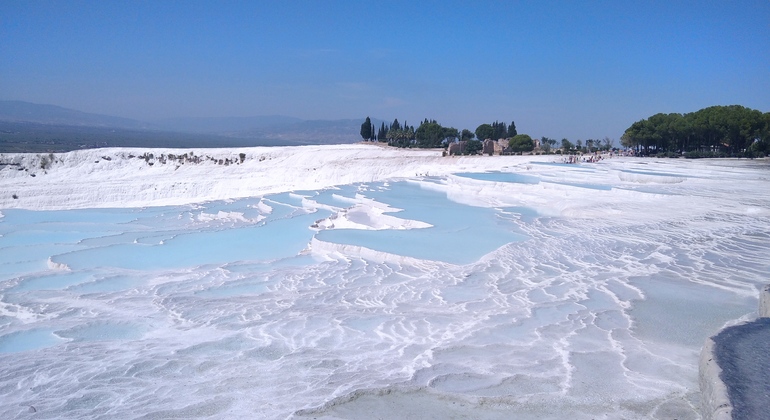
(714, 131)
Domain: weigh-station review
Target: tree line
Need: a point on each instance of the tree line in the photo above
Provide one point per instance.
(431, 134)
(715, 131)
(710, 132)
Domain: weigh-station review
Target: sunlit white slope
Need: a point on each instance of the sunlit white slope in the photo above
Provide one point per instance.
(121, 177)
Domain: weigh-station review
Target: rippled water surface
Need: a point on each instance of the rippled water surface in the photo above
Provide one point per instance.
(550, 291)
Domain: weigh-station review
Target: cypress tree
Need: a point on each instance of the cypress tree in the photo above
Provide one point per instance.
(366, 129)
(512, 130)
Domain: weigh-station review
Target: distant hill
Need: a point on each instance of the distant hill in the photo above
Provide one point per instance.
(273, 128)
(310, 131)
(27, 137)
(51, 114)
(28, 127)
(223, 125)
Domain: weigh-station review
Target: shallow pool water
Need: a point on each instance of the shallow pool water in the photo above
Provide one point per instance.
(547, 290)
(27, 340)
(459, 234)
(502, 177)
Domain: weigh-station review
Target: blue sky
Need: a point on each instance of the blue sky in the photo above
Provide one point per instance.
(569, 69)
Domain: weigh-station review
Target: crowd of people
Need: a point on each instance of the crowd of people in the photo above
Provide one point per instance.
(593, 158)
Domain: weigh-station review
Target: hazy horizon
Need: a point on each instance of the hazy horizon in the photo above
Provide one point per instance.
(558, 69)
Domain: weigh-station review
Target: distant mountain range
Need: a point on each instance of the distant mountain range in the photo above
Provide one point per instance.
(225, 124)
(28, 127)
(18, 111)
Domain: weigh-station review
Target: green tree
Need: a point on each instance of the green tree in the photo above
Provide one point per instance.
(366, 129)
(566, 145)
(484, 131)
(466, 135)
(521, 143)
(382, 134)
(546, 144)
(499, 131)
(450, 134)
(473, 147)
(429, 134)
(761, 145)
(400, 136)
(512, 130)
(717, 130)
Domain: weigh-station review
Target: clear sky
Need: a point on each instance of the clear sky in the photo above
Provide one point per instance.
(574, 69)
